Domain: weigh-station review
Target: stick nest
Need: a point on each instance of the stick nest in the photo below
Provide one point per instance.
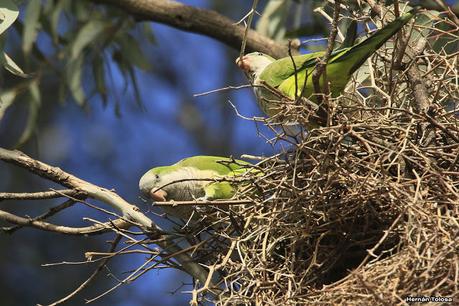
(365, 211)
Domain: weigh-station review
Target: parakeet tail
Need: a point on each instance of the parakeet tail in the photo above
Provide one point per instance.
(359, 53)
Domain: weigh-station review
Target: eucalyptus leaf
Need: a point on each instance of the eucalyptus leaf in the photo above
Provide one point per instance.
(74, 73)
(132, 52)
(11, 66)
(87, 34)
(34, 105)
(6, 100)
(147, 32)
(272, 22)
(31, 25)
(54, 18)
(98, 71)
(8, 14)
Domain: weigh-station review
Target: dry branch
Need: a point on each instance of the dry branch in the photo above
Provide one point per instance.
(130, 213)
(361, 212)
(201, 21)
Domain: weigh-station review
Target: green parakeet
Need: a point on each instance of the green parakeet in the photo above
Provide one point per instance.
(192, 178)
(263, 70)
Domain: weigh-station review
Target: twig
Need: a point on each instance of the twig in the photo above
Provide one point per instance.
(448, 10)
(320, 69)
(51, 212)
(247, 27)
(109, 197)
(88, 230)
(43, 195)
(93, 275)
(203, 203)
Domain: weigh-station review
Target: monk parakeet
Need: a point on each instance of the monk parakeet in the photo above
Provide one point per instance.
(193, 178)
(264, 71)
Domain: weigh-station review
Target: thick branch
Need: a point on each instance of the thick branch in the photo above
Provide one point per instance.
(201, 21)
(56, 175)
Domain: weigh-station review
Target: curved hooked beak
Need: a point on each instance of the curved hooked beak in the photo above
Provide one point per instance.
(243, 63)
(158, 195)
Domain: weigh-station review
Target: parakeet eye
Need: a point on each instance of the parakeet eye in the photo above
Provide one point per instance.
(157, 176)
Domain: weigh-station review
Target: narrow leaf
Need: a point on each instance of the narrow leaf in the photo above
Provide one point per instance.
(6, 99)
(74, 73)
(99, 78)
(85, 36)
(147, 32)
(34, 105)
(272, 21)
(8, 14)
(132, 52)
(31, 25)
(54, 18)
(11, 66)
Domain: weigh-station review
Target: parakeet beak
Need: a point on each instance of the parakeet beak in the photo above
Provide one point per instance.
(158, 195)
(243, 63)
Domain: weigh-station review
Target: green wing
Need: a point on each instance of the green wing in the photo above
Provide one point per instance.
(226, 190)
(278, 71)
(221, 190)
(221, 165)
(342, 63)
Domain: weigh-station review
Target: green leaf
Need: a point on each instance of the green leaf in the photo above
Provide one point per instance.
(11, 66)
(31, 25)
(8, 14)
(147, 32)
(272, 21)
(98, 72)
(131, 51)
(87, 34)
(74, 73)
(6, 99)
(54, 18)
(128, 73)
(34, 105)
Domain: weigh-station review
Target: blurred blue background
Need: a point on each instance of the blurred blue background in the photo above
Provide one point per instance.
(112, 145)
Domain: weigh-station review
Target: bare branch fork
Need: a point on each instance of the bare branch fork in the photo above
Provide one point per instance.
(131, 214)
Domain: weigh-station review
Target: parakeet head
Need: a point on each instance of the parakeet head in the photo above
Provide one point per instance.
(254, 63)
(151, 181)
(171, 183)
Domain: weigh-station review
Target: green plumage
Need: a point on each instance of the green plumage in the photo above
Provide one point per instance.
(221, 165)
(193, 178)
(341, 65)
(292, 76)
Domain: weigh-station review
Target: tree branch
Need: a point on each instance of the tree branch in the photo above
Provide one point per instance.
(42, 195)
(201, 21)
(131, 212)
(46, 226)
(56, 175)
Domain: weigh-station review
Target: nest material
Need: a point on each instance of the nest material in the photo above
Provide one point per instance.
(363, 212)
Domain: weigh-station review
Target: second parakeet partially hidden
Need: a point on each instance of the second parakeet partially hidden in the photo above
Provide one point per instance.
(193, 178)
(266, 73)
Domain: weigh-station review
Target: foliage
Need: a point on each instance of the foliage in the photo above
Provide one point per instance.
(76, 41)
